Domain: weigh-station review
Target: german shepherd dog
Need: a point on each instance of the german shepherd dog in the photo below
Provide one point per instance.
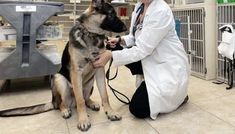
(72, 86)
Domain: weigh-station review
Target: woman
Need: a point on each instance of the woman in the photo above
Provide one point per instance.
(154, 43)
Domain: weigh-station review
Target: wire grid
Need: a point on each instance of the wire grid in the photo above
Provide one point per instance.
(192, 35)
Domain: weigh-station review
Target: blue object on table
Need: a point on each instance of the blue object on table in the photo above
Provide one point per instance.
(177, 27)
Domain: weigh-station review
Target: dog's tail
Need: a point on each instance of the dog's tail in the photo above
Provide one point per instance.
(21, 111)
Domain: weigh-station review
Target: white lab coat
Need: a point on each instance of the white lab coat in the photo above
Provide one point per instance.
(164, 61)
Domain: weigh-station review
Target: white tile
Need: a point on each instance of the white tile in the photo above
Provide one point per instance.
(189, 119)
(25, 98)
(45, 123)
(223, 108)
(125, 126)
(201, 90)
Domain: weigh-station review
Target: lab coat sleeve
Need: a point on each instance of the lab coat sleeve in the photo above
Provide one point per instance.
(129, 40)
(155, 27)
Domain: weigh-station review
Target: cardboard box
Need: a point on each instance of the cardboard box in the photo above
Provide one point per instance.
(7, 33)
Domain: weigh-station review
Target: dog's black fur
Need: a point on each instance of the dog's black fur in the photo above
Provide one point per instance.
(65, 62)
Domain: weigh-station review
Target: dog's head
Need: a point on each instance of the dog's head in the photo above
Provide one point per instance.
(88, 34)
(89, 44)
(101, 16)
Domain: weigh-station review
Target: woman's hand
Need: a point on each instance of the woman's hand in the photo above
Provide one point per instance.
(112, 42)
(103, 58)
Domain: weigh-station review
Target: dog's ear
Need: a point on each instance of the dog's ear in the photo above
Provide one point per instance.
(81, 18)
(108, 1)
(97, 3)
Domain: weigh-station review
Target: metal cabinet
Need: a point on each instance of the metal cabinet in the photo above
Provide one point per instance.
(26, 60)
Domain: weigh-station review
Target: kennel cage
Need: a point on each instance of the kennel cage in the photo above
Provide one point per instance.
(192, 36)
(225, 15)
(27, 60)
(198, 34)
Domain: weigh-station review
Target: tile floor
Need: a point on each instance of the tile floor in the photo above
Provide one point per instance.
(210, 110)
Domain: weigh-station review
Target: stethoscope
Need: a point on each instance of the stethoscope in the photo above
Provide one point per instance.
(139, 11)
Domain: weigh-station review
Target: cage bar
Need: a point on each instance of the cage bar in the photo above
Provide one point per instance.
(193, 37)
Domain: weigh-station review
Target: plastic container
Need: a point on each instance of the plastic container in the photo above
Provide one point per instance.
(225, 1)
(194, 1)
(44, 32)
(50, 32)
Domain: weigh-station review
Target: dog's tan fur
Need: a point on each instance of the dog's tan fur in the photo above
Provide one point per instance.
(82, 76)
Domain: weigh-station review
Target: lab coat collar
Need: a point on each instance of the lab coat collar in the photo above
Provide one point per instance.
(152, 7)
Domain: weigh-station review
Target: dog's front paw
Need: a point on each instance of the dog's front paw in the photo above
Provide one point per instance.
(93, 105)
(66, 113)
(113, 116)
(84, 125)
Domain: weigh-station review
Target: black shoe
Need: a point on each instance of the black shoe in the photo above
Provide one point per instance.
(185, 101)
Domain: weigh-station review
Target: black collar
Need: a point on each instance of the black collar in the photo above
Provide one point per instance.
(85, 31)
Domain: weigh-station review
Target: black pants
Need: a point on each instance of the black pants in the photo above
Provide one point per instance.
(139, 105)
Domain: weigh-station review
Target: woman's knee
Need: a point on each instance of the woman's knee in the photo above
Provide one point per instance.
(139, 105)
(138, 112)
